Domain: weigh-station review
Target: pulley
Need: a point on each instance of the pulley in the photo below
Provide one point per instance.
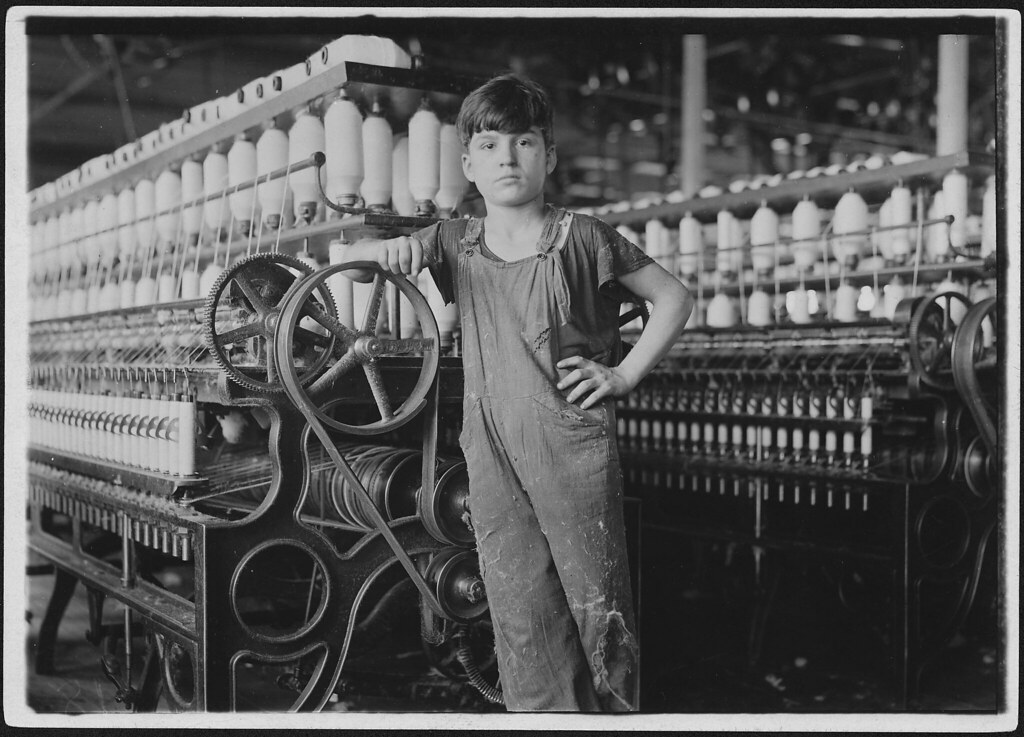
(361, 348)
(444, 510)
(455, 575)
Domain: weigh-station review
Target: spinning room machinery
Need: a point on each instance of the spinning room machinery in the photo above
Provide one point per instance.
(211, 396)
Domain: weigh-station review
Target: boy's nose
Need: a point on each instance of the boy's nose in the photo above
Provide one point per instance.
(508, 152)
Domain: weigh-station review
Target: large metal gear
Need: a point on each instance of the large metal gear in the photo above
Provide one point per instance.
(930, 333)
(243, 310)
(363, 348)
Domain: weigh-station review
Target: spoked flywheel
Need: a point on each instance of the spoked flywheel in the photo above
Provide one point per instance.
(242, 313)
(359, 347)
(932, 326)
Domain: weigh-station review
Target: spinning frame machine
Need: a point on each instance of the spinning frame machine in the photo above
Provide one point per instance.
(869, 439)
(864, 440)
(124, 399)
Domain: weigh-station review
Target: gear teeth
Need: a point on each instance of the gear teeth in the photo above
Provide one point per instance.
(213, 300)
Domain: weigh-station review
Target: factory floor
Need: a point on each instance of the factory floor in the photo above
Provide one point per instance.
(814, 656)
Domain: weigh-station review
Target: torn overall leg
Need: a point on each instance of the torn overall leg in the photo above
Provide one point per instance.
(553, 565)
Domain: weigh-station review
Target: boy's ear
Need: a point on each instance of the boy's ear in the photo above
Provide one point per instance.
(467, 167)
(552, 159)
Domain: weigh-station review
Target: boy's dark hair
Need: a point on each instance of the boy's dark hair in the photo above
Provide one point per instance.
(506, 104)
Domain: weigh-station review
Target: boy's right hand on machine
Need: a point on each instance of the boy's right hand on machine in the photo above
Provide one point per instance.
(402, 255)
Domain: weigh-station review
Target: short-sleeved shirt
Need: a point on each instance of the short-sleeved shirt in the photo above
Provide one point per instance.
(593, 257)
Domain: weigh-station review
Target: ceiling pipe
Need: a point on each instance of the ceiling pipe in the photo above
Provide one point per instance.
(693, 100)
(951, 96)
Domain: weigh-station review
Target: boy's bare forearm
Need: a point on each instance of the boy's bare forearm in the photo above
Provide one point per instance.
(670, 312)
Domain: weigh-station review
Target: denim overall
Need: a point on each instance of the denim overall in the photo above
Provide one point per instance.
(546, 490)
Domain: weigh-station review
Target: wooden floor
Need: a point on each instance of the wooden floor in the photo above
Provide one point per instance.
(709, 675)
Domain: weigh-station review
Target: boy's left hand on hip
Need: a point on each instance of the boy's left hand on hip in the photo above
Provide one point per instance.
(589, 376)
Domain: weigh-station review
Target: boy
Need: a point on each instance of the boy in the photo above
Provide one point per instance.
(534, 286)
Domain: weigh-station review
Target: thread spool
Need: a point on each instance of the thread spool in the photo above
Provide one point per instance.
(759, 308)
(452, 182)
(901, 213)
(954, 196)
(305, 137)
(242, 170)
(936, 238)
(167, 201)
(722, 312)
(110, 296)
(424, 158)
(377, 168)
(691, 245)
(729, 258)
(957, 309)
(127, 235)
(191, 190)
(764, 233)
(846, 302)
(401, 198)
(988, 218)
(340, 285)
(92, 303)
(167, 288)
(87, 228)
(186, 437)
(895, 291)
(806, 231)
(209, 277)
(881, 239)
(107, 218)
(190, 284)
(798, 306)
(851, 216)
(145, 291)
(343, 132)
(271, 155)
(216, 212)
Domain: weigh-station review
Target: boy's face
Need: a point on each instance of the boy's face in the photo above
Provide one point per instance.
(509, 169)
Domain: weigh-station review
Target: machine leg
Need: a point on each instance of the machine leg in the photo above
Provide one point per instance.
(63, 589)
(765, 599)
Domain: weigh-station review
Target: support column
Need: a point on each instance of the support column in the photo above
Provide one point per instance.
(951, 97)
(694, 100)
